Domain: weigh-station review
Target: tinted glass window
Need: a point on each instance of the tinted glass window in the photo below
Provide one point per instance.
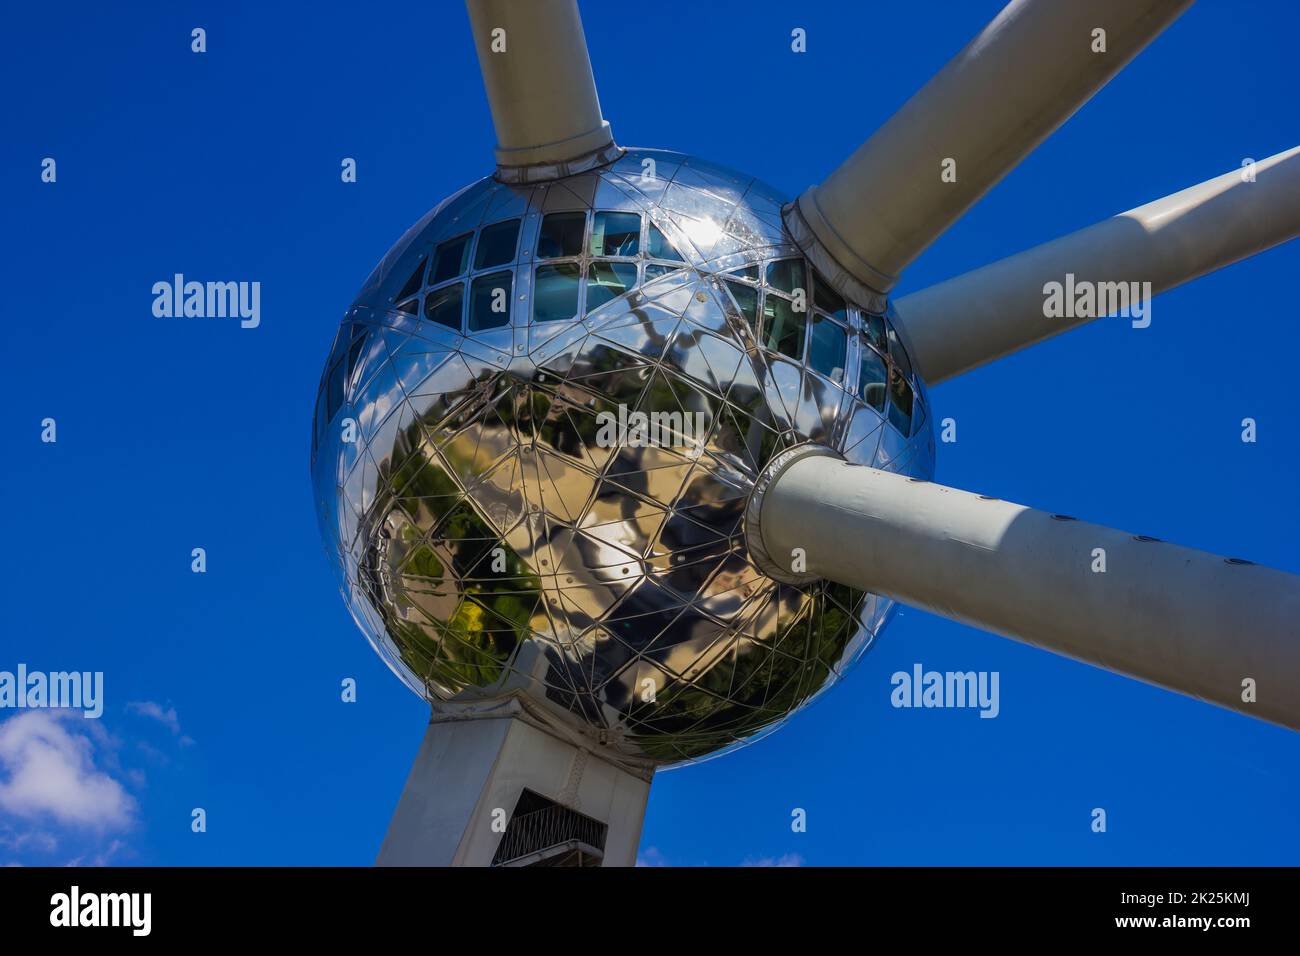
(318, 432)
(918, 413)
(900, 401)
(496, 244)
(897, 353)
(871, 379)
(489, 301)
(827, 348)
(450, 260)
(786, 275)
(660, 247)
(748, 272)
(875, 325)
(561, 235)
(747, 299)
(783, 327)
(607, 281)
(616, 234)
(828, 300)
(337, 374)
(354, 353)
(413, 284)
(555, 293)
(443, 306)
(346, 333)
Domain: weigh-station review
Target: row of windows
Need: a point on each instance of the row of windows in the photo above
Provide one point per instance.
(588, 258)
(556, 292)
(559, 286)
(348, 346)
(609, 234)
(787, 324)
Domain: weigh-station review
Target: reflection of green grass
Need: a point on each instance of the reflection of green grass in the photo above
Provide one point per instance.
(455, 655)
(420, 477)
(469, 650)
(422, 562)
(569, 429)
(735, 698)
(659, 396)
(489, 623)
(414, 646)
(697, 719)
(473, 647)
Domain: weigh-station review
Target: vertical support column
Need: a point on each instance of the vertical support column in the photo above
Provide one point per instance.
(469, 774)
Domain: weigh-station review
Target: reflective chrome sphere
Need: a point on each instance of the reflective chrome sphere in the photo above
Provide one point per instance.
(536, 435)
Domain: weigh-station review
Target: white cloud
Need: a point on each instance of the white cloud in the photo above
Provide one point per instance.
(101, 858)
(651, 857)
(37, 840)
(47, 768)
(789, 859)
(164, 715)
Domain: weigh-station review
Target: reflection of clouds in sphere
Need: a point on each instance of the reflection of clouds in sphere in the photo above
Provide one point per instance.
(488, 543)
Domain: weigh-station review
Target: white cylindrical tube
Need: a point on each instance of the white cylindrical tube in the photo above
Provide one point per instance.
(539, 82)
(1024, 75)
(1000, 308)
(1216, 628)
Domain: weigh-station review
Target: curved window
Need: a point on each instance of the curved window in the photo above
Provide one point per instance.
(787, 275)
(899, 355)
(606, 281)
(413, 284)
(555, 293)
(616, 234)
(746, 300)
(874, 326)
(443, 306)
(828, 300)
(900, 401)
(783, 327)
(828, 348)
(561, 235)
(349, 343)
(354, 353)
(319, 422)
(660, 247)
(451, 259)
(872, 378)
(338, 378)
(489, 301)
(918, 414)
(496, 244)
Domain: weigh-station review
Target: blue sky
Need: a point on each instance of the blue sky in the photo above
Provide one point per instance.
(222, 689)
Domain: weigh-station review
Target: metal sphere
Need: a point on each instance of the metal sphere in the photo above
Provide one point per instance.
(501, 522)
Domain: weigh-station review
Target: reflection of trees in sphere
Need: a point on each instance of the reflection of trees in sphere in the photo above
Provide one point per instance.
(490, 543)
